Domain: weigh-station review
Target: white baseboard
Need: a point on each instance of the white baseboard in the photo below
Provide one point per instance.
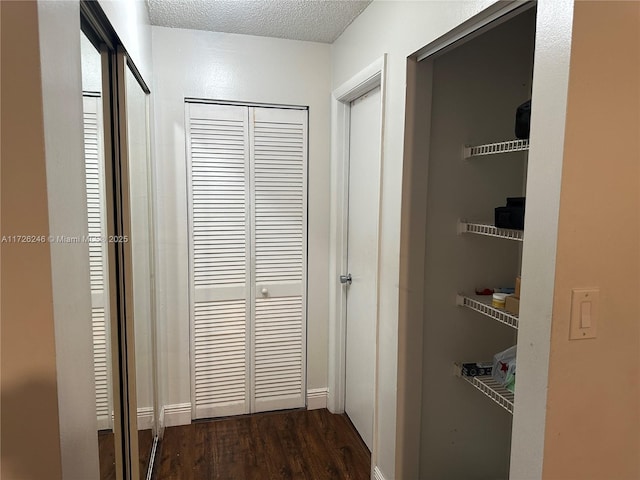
(180, 413)
(316, 398)
(175, 415)
(145, 418)
(377, 474)
(105, 423)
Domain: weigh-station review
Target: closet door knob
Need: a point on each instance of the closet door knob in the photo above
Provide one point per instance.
(264, 291)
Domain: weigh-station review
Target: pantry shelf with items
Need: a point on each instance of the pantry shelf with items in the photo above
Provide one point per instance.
(474, 200)
(496, 379)
(483, 304)
(486, 384)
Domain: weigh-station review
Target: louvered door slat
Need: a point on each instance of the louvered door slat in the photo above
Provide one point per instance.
(97, 259)
(218, 159)
(279, 152)
(100, 358)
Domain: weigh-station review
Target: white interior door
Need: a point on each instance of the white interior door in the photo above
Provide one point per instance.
(364, 185)
(248, 248)
(278, 139)
(219, 237)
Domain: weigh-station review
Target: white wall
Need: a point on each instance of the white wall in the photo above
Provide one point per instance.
(190, 63)
(91, 66)
(130, 19)
(398, 29)
(59, 30)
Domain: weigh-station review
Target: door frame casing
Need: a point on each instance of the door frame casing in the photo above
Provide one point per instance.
(367, 79)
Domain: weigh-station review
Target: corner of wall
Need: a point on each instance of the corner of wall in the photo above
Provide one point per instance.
(59, 30)
(549, 101)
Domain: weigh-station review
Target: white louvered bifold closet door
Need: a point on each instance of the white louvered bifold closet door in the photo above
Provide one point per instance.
(219, 235)
(247, 229)
(279, 211)
(94, 168)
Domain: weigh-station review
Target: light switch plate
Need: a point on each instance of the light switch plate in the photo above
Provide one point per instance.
(585, 306)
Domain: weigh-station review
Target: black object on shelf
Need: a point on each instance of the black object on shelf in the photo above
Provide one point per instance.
(523, 120)
(475, 369)
(512, 215)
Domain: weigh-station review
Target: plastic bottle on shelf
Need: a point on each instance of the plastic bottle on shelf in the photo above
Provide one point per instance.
(498, 300)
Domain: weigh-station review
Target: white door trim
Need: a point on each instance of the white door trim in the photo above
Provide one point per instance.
(367, 79)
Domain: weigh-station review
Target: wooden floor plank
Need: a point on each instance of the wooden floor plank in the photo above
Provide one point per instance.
(177, 457)
(289, 445)
(343, 446)
(107, 456)
(259, 466)
(202, 451)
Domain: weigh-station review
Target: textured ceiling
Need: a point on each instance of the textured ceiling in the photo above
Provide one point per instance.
(311, 20)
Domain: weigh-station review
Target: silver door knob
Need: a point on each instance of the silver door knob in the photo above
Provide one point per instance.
(345, 279)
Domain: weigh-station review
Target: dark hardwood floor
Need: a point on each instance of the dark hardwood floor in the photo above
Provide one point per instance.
(295, 444)
(108, 456)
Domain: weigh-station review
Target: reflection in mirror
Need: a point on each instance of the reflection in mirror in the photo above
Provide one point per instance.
(142, 264)
(98, 266)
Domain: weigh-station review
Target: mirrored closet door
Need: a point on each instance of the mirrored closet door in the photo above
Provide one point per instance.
(95, 144)
(120, 236)
(142, 254)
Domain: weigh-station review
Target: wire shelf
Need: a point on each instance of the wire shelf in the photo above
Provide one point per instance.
(492, 389)
(488, 229)
(482, 304)
(494, 148)
(487, 385)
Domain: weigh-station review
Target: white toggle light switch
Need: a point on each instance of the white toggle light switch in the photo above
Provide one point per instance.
(584, 313)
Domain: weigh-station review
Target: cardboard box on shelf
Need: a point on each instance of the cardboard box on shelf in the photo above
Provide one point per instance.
(512, 304)
(517, 294)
